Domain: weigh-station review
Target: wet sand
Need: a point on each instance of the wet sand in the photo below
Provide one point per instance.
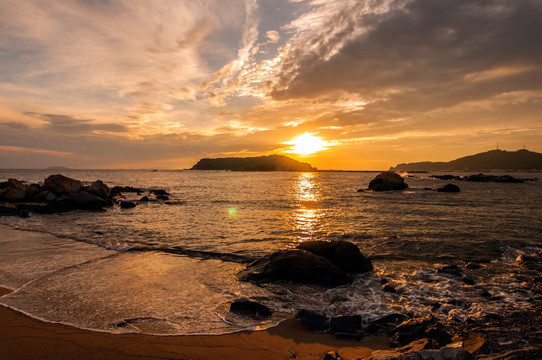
(22, 337)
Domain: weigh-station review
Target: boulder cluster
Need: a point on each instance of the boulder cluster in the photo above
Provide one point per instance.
(59, 193)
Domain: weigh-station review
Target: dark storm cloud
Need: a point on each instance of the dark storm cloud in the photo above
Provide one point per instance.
(74, 125)
(431, 54)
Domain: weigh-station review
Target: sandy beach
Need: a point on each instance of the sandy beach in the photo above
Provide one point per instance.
(22, 337)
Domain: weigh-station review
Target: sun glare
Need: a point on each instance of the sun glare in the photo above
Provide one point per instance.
(307, 144)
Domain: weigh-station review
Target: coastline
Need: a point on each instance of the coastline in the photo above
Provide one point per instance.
(23, 337)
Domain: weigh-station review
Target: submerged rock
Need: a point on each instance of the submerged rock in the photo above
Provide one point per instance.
(124, 204)
(387, 181)
(297, 266)
(250, 308)
(344, 254)
(450, 188)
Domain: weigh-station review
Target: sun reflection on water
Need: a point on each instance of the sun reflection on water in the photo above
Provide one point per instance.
(307, 213)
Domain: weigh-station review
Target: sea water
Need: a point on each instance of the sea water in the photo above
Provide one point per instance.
(169, 267)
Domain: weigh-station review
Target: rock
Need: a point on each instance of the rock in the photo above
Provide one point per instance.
(473, 266)
(474, 343)
(250, 308)
(117, 190)
(159, 192)
(297, 266)
(124, 204)
(389, 289)
(451, 352)
(361, 190)
(386, 323)
(314, 320)
(87, 201)
(144, 199)
(345, 323)
(492, 178)
(416, 328)
(13, 191)
(387, 181)
(62, 185)
(450, 269)
(344, 254)
(23, 213)
(468, 281)
(332, 355)
(32, 191)
(162, 197)
(446, 177)
(450, 188)
(8, 211)
(100, 189)
(407, 352)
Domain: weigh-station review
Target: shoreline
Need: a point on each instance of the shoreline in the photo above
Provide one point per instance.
(23, 337)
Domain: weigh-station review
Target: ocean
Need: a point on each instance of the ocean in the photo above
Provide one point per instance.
(169, 267)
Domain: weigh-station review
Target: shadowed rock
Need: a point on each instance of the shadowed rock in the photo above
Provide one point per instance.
(450, 188)
(13, 191)
(250, 308)
(100, 189)
(297, 266)
(314, 320)
(62, 185)
(344, 254)
(387, 181)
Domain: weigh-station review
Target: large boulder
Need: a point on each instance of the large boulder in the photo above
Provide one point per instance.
(62, 185)
(344, 254)
(13, 191)
(297, 266)
(387, 181)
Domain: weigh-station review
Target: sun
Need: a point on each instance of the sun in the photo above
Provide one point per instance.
(306, 144)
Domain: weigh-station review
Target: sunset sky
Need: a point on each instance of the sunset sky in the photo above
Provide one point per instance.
(161, 84)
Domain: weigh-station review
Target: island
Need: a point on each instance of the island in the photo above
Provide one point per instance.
(258, 163)
(520, 160)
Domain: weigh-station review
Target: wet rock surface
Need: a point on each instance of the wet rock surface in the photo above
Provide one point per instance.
(387, 181)
(297, 266)
(250, 308)
(344, 254)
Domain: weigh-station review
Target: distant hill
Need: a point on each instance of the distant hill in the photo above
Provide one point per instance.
(521, 160)
(260, 163)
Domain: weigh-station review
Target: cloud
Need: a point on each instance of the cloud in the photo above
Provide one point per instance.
(273, 36)
(73, 125)
(34, 151)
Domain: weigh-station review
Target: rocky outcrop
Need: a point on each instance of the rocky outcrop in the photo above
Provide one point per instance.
(492, 178)
(387, 181)
(61, 194)
(344, 254)
(297, 266)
